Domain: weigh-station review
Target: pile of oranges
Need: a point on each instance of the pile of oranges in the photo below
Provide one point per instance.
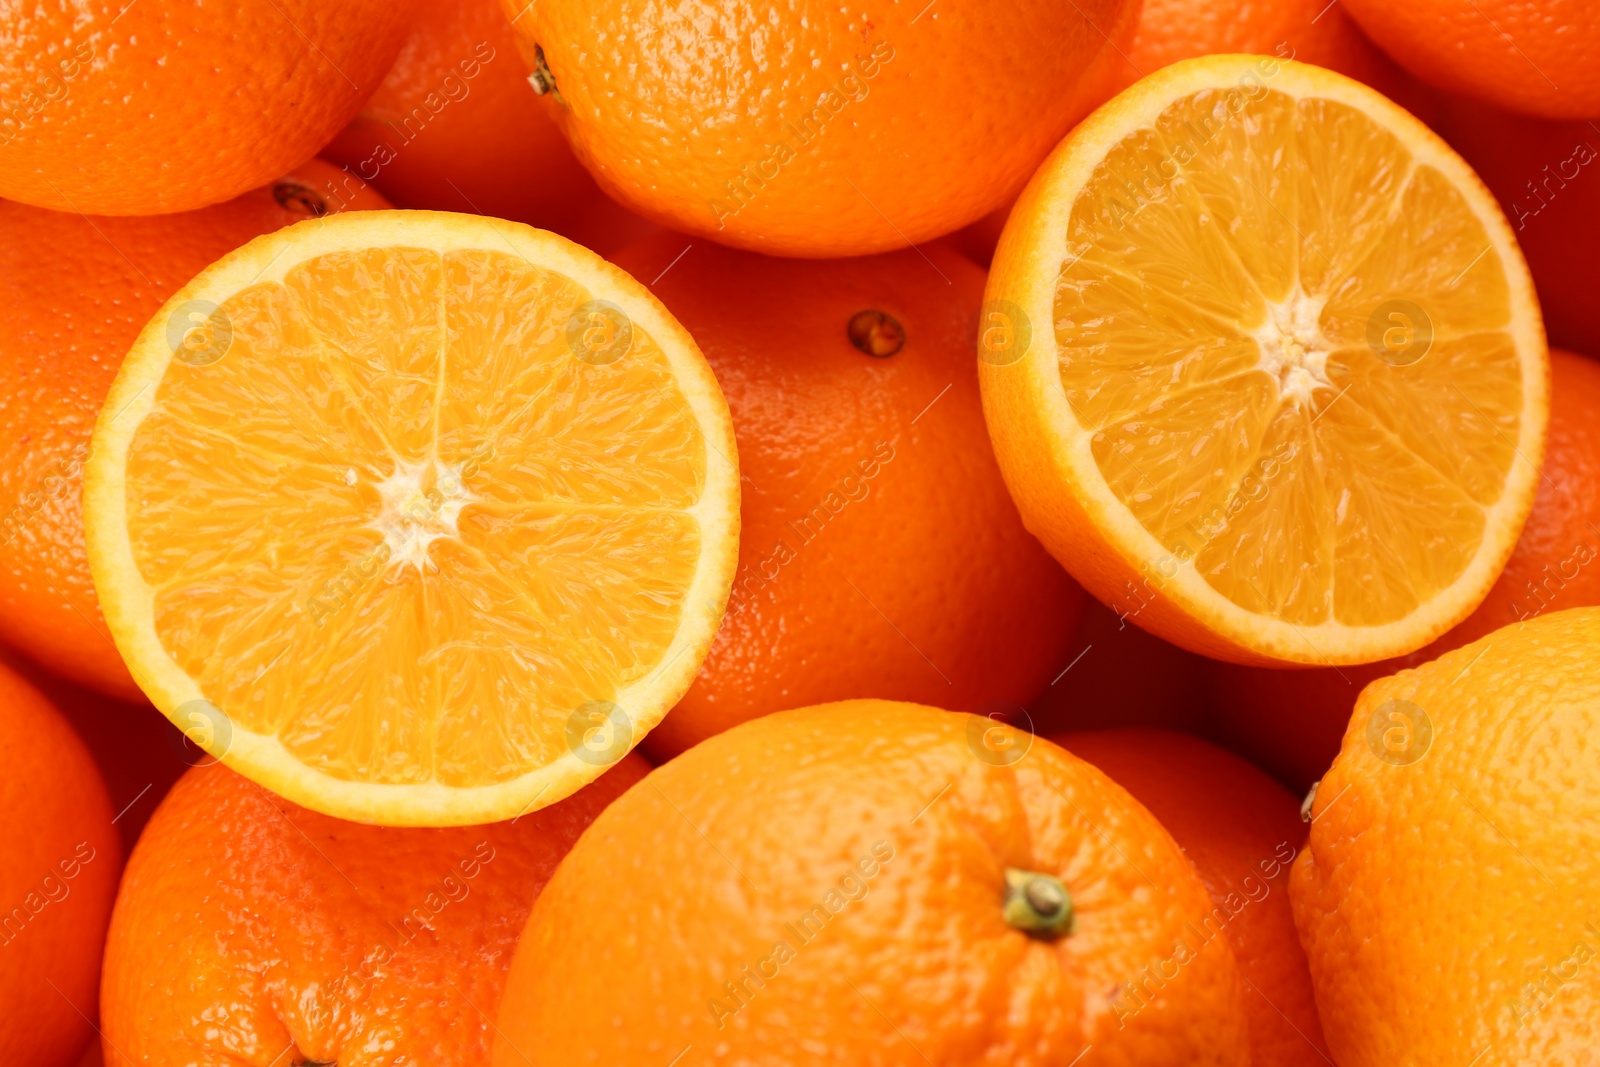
(930, 533)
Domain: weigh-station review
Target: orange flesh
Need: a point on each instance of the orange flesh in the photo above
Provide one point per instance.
(1212, 322)
(402, 528)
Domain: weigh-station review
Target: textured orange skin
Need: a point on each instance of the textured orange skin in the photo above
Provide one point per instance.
(694, 872)
(54, 810)
(671, 109)
(138, 752)
(1557, 222)
(1530, 56)
(481, 141)
(77, 292)
(1292, 721)
(250, 926)
(1240, 829)
(1308, 30)
(148, 108)
(1434, 894)
(975, 615)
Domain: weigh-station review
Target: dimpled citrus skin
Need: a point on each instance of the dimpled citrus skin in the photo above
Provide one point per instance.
(1292, 721)
(880, 553)
(1307, 30)
(455, 126)
(883, 817)
(248, 927)
(1240, 829)
(1449, 901)
(114, 108)
(75, 293)
(688, 114)
(1531, 56)
(59, 860)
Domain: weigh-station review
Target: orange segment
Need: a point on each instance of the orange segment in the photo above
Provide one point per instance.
(451, 483)
(1293, 398)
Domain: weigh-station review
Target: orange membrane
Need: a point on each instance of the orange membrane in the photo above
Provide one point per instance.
(403, 527)
(1217, 337)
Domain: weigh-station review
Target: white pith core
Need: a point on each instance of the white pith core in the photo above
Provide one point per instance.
(421, 502)
(1293, 349)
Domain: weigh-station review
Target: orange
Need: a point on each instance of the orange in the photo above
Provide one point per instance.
(874, 883)
(1241, 830)
(138, 752)
(415, 518)
(1531, 56)
(1263, 366)
(1293, 720)
(1447, 900)
(1310, 31)
(251, 930)
(76, 292)
(1546, 176)
(59, 861)
(115, 108)
(812, 129)
(455, 126)
(879, 552)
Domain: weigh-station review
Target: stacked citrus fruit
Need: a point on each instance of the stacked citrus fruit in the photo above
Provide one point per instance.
(585, 572)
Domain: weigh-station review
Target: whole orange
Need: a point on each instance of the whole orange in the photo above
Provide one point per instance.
(247, 926)
(813, 129)
(116, 108)
(879, 551)
(59, 861)
(1447, 900)
(1241, 830)
(1546, 176)
(455, 126)
(76, 291)
(138, 752)
(1532, 56)
(1292, 721)
(874, 883)
(1312, 31)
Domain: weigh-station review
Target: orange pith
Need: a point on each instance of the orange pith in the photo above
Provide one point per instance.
(408, 531)
(1298, 376)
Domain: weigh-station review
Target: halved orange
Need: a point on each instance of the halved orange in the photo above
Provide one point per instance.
(1264, 367)
(414, 518)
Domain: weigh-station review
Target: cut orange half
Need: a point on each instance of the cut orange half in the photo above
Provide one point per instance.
(1264, 368)
(414, 518)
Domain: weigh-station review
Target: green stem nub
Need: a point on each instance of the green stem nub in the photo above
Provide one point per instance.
(1037, 904)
